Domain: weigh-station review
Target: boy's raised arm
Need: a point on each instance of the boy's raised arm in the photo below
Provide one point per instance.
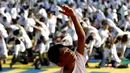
(79, 30)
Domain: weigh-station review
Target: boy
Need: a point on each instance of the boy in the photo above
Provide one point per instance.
(71, 62)
(3, 49)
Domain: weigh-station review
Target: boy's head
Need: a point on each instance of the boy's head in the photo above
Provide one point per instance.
(118, 39)
(105, 24)
(61, 55)
(124, 38)
(17, 41)
(16, 32)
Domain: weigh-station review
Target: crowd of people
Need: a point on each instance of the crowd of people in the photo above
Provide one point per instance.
(33, 26)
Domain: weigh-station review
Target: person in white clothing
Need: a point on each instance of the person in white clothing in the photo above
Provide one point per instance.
(110, 53)
(93, 40)
(103, 32)
(19, 53)
(125, 45)
(40, 42)
(14, 12)
(71, 31)
(51, 24)
(3, 49)
(99, 18)
(42, 12)
(64, 38)
(71, 62)
(29, 23)
(27, 42)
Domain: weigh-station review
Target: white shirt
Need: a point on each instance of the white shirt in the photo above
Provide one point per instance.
(55, 8)
(128, 43)
(3, 31)
(44, 29)
(42, 12)
(29, 23)
(123, 11)
(26, 39)
(8, 17)
(78, 12)
(103, 34)
(41, 48)
(3, 48)
(114, 54)
(42, 33)
(79, 64)
(72, 33)
(19, 48)
(52, 24)
(4, 3)
(67, 40)
(14, 13)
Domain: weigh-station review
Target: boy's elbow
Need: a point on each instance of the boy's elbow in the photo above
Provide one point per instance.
(82, 37)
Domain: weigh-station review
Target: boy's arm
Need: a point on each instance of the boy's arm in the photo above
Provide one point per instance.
(79, 30)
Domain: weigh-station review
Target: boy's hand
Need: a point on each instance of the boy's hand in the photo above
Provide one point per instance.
(67, 10)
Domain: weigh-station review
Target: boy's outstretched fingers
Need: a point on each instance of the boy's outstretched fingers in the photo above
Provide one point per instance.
(66, 10)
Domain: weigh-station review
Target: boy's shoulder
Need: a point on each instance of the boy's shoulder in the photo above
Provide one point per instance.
(80, 57)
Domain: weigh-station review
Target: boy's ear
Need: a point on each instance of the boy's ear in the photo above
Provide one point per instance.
(60, 64)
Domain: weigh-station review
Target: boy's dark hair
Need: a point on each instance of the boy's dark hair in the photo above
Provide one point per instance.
(118, 39)
(42, 38)
(4, 18)
(16, 32)
(90, 38)
(104, 22)
(124, 38)
(54, 53)
(17, 41)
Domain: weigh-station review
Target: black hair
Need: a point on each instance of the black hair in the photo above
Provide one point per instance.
(14, 21)
(124, 38)
(17, 41)
(104, 22)
(42, 19)
(118, 39)
(90, 38)
(42, 39)
(4, 18)
(126, 16)
(54, 53)
(16, 32)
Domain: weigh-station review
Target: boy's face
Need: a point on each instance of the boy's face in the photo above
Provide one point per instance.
(67, 56)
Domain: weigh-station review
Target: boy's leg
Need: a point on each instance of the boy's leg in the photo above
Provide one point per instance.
(102, 63)
(114, 63)
(30, 54)
(41, 59)
(14, 60)
(36, 63)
